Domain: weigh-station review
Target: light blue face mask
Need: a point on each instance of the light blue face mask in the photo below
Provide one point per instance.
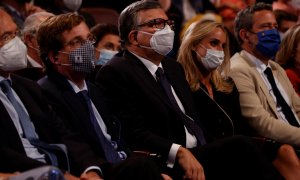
(105, 55)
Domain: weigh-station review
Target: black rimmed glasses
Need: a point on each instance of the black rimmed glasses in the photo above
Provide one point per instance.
(158, 23)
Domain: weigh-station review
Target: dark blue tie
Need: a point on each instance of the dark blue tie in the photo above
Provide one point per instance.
(28, 128)
(287, 111)
(110, 153)
(190, 124)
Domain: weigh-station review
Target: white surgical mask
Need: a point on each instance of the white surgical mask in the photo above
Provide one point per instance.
(105, 55)
(72, 5)
(13, 55)
(213, 59)
(162, 40)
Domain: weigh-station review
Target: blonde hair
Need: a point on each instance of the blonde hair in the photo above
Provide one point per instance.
(286, 53)
(186, 55)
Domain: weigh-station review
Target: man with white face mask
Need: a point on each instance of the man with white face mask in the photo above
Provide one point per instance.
(28, 127)
(149, 94)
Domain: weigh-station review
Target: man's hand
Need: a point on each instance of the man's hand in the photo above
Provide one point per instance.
(5, 176)
(192, 168)
(90, 175)
(69, 176)
(166, 177)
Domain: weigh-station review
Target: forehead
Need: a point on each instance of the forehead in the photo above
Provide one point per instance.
(7, 24)
(287, 24)
(149, 14)
(81, 30)
(263, 17)
(219, 34)
(216, 34)
(110, 38)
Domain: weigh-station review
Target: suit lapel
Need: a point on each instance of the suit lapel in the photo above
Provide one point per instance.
(262, 84)
(144, 76)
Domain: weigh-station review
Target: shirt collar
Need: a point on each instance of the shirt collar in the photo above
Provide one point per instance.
(76, 88)
(260, 66)
(149, 65)
(3, 78)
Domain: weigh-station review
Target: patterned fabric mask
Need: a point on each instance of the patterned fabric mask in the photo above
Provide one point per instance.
(82, 59)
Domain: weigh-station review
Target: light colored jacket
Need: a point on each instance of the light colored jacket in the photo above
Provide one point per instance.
(258, 106)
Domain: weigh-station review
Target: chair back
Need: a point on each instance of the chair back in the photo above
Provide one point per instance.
(102, 15)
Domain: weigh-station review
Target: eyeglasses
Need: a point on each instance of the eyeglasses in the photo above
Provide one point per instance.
(77, 42)
(158, 23)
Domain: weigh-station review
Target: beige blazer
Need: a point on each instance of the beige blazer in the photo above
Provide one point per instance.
(258, 106)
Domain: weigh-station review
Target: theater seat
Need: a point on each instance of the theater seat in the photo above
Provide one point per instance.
(102, 15)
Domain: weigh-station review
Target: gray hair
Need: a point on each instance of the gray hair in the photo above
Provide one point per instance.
(33, 22)
(244, 19)
(128, 17)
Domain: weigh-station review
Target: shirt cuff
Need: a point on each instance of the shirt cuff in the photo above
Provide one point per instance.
(95, 168)
(172, 155)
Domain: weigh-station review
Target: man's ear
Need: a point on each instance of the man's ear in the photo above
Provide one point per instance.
(132, 37)
(53, 57)
(244, 35)
(28, 40)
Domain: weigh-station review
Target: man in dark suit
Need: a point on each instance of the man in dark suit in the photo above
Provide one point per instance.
(156, 116)
(67, 50)
(28, 125)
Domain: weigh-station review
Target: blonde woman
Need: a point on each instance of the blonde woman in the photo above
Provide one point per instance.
(204, 55)
(288, 56)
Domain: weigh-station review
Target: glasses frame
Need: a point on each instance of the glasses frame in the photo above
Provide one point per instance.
(78, 42)
(155, 23)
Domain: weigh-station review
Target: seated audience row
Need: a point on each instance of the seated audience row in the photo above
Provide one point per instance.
(148, 116)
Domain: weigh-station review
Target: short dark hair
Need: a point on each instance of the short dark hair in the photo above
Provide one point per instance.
(128, 17)
(282, 15)
(101, 30)
(244, 19)
(49, 35)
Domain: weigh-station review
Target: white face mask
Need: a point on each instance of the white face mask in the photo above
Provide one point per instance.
(213, 59)
(162, 40)
(13, 55)
(105, 55)
(72, 5)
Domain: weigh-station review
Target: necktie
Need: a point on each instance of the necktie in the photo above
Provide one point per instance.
(110, 153)
(25, 121)
(28, 128)
(289, 115)
(191, 126)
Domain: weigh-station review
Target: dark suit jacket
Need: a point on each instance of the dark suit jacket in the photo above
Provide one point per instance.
(75, 114)
(221, 116)
(149, 121)
(47, 125)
